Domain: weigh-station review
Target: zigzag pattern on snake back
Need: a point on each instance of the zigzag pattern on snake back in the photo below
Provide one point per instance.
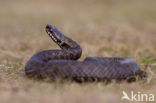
(62, 63)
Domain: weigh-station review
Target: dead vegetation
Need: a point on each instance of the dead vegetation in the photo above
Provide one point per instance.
(103, 28)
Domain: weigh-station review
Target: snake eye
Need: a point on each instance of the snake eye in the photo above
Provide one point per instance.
(51, 29)
(48, 27)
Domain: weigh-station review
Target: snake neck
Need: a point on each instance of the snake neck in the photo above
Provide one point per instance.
(73, 53)
(70, 49)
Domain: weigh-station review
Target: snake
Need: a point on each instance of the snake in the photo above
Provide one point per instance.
(64, 63)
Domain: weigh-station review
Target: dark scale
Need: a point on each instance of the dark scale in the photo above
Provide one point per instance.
(62, 63)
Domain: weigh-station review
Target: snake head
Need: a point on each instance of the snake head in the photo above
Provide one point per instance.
(59, 38)
(55, 34)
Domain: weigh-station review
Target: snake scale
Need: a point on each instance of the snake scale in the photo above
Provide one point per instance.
(62, 63)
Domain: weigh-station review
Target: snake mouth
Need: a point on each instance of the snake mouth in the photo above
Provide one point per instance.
(54, 34)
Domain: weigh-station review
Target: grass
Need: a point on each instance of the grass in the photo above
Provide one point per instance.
(103, 28)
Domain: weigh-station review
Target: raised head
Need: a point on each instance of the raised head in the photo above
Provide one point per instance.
(59, 38)
(55, 34)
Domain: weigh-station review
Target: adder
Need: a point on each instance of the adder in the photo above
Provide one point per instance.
(62, 63)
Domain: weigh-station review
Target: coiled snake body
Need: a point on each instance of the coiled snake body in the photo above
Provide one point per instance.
(62, 63)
